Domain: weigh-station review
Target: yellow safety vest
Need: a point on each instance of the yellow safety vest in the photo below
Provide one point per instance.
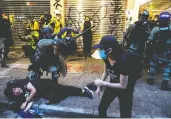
(34, 28)
(65, 34)
(32, 43)
(57, 25)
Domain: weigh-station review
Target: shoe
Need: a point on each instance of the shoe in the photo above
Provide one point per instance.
(88, 93)
(3, 64)
(92, 86)
(165, 86)
(150, 81)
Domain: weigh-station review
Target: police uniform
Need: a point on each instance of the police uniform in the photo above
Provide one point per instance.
(45, 59)
(161, 57)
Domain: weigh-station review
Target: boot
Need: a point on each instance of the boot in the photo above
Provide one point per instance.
(150, 81)
(3, 64)
(165, 86)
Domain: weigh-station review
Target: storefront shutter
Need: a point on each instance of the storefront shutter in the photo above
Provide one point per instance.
(108, 16)
(20, 10)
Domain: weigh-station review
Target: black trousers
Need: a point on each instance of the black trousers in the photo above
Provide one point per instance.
(125, 102)
(28, 50)
(55, 92)
(87, 42)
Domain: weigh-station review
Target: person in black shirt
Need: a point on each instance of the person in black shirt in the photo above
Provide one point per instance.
(23, 92)
(118, 65)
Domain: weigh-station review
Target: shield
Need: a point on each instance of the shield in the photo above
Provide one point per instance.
(63, 69)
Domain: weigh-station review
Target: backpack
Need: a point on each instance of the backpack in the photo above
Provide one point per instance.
(159, 44)
(140, 35)
(136, 64)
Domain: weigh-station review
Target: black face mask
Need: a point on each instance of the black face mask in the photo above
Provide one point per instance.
(87, 24)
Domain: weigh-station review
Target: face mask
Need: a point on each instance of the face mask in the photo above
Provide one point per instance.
(103, 54)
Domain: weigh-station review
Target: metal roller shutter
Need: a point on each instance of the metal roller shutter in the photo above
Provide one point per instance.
(21, 9)
(108, 16)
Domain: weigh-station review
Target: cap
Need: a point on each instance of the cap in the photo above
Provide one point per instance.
(107, 41)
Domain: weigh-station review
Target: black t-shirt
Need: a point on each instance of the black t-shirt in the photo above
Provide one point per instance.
(124, 66)
(43, 87)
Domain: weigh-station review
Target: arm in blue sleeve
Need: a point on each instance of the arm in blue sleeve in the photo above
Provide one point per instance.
(152, 33)
(62, 31)
(76, 31)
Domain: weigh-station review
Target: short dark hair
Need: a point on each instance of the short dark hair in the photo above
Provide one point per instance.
(116, 52)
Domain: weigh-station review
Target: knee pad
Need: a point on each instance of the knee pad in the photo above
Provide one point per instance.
(55, 75)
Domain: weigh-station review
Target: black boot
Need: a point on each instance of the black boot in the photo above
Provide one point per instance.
(3, 64)
(150, 81)
(165, 86)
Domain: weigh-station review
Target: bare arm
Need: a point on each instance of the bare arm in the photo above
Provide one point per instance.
(105, 74)
(32, 92)
(28, 99)
(121, 85)
(28, 106)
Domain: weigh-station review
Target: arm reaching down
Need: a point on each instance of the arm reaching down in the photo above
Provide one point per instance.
(121, 85)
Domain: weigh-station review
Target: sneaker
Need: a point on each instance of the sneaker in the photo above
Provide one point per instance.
(92, 86)
(150, 81)
(165, 86)
(88, 93)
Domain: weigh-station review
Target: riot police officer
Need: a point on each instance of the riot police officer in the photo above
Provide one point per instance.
(3, 38)
(137, 34)
(46, 57)
(160, 41)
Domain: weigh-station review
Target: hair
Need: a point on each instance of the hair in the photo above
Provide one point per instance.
(8, 91)
(116, 52)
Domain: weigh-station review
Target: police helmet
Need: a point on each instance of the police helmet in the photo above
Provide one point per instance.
(42, 17)
(164, 16)
(30, 18)
(47, 16)
(145, 13)
(56, 41)
(47, 29)
(69, 21)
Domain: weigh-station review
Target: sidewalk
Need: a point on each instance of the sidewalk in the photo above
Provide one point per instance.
(149, 101)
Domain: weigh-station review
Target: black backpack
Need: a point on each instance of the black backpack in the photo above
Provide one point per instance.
(136, 64)
(140, 35)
